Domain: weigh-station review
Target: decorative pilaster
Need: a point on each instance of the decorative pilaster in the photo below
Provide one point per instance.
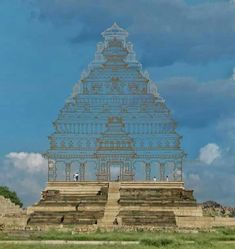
(178, 173)
(162, 171)
(147, 171)
(82, 170)
(127, 172)
(67, 171)
(175, 172)
(181, 171)
(51, 171)
(132, 171)
(102, 171)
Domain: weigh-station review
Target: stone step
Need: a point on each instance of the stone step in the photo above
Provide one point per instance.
(112, 205)
(111, 212)
(156, 218)
(51, 221)
(59, 202)
(75, 198)
(74, 213)
(115, 200)
(149, 203)
(111, 209)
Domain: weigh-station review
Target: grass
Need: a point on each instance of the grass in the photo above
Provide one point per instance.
(162, 242)
(141, 246)
(159, 239)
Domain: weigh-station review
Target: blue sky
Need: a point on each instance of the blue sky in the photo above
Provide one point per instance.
(186, 46)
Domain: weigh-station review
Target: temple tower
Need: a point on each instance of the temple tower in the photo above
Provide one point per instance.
(116, 125)
(116, 121)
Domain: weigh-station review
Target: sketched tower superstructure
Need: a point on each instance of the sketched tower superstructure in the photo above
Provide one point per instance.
(115, 118)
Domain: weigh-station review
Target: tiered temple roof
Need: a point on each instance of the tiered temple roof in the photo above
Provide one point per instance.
(114, 85)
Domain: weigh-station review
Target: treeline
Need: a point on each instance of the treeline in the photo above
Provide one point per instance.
(7, 193)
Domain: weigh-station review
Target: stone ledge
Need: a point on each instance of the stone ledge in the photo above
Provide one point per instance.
(204, 222)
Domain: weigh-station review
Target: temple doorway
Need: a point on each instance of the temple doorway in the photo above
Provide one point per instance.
(115, 170)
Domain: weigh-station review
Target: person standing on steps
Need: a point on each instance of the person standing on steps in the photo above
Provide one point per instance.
(76, 175)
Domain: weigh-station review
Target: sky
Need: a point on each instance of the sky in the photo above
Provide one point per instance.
(187, 46)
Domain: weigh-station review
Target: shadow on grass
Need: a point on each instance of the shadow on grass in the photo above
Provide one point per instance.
(157, 242)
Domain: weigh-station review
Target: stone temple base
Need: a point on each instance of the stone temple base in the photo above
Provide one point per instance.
(156, 204)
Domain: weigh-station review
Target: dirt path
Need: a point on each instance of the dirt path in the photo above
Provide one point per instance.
(86, 242)
(67, 242)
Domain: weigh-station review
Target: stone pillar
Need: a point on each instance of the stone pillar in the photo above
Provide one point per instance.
(67, 171)
(178, 172)
(82, 170)
(174, 172)
(132, 171)
(181, 169)
(108, 171)
(147, 171)
(162, 171)
(123, 169)
(103, 171)
(127, 172)
(51, 170)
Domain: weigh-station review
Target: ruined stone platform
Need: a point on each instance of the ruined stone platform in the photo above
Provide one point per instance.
(158, 204)
(11, 215)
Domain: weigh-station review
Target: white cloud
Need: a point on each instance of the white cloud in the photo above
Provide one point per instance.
(209, 153)
(25, 173)
(30, 162)
(194, 177)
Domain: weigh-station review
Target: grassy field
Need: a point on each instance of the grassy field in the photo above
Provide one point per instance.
(219, 238)
(141, 246)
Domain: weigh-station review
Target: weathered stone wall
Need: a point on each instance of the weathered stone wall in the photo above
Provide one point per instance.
(7, 207)
(11, 215)
(204, 222)
(13, 223)
(224, 221)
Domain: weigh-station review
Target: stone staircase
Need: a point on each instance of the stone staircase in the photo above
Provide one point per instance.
(146, 204)
(70, 203)
(112, 206)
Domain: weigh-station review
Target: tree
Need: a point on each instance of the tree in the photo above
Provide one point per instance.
(7, 193)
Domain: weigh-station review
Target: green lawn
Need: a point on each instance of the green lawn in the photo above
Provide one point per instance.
(171, 246)
(158, 239)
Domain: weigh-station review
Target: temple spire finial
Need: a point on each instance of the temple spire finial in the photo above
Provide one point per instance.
(115, 25)
(115, 31)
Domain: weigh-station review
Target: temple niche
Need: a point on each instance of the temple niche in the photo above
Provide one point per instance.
(115, 123)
